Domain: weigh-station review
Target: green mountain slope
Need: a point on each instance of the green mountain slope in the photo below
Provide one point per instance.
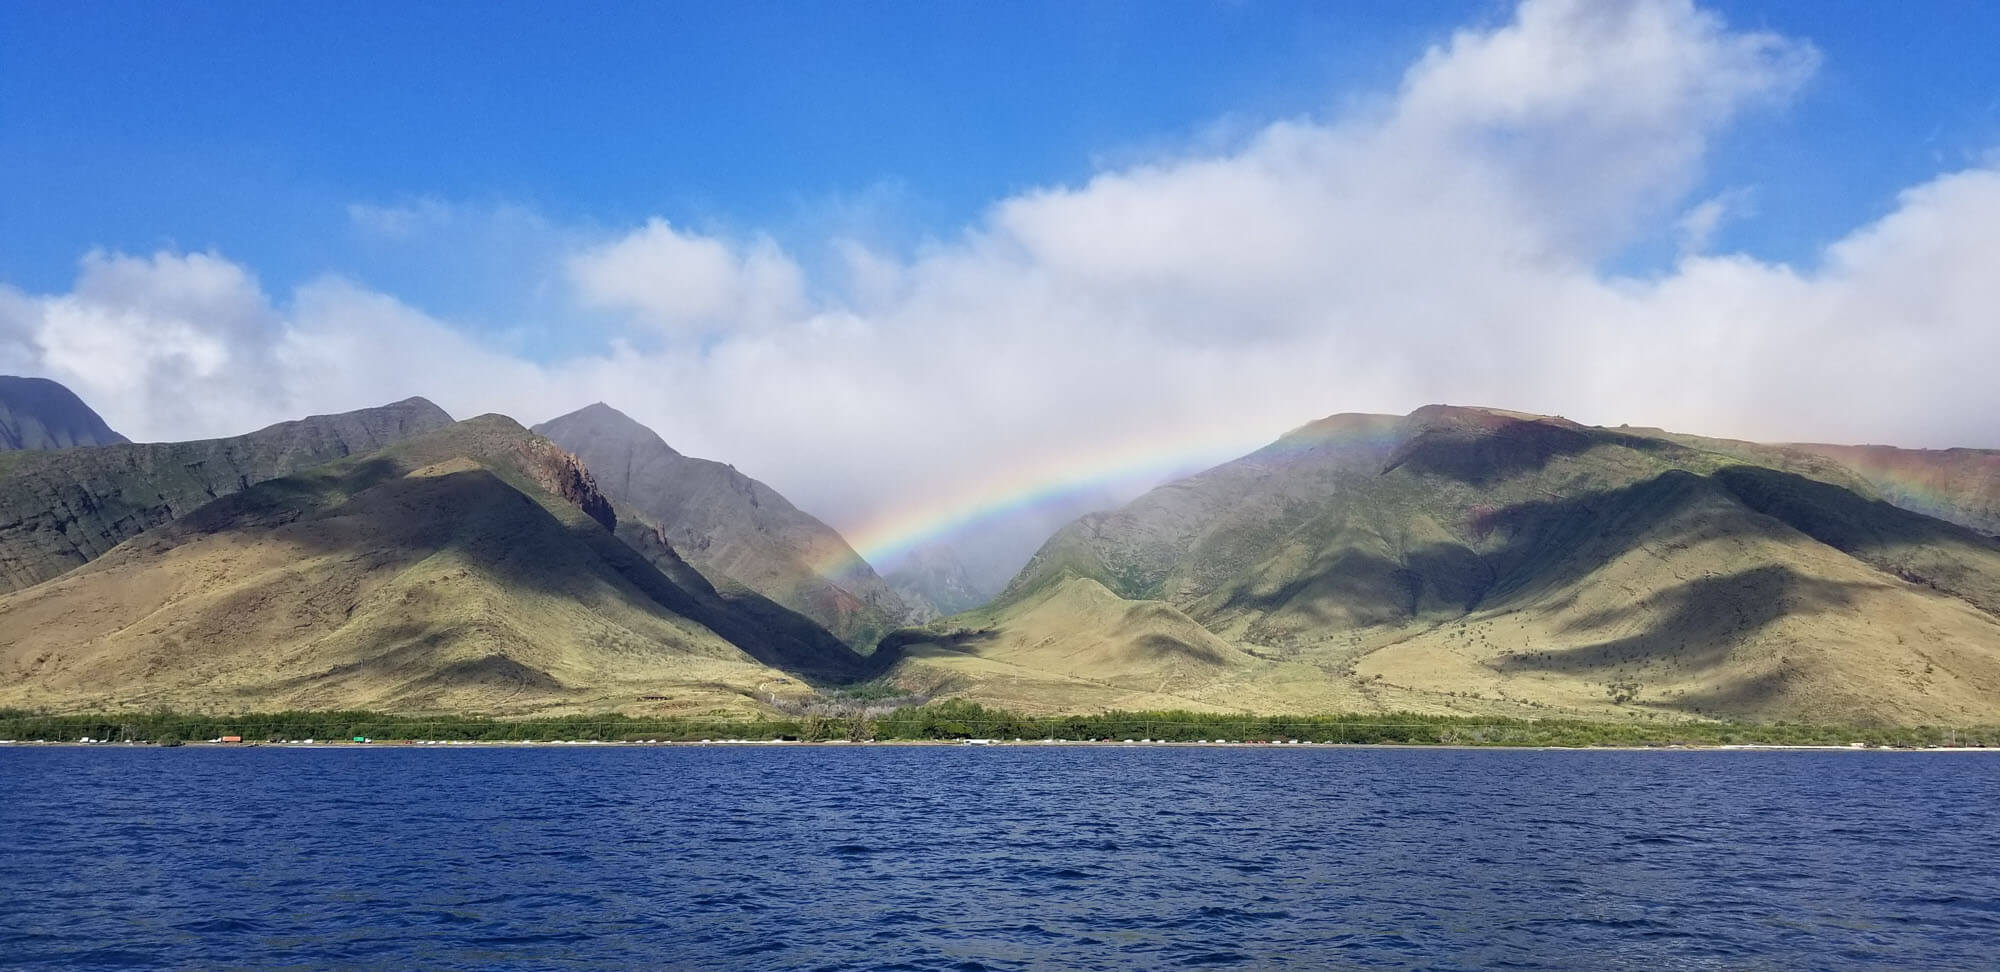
(1960, 486)
(59, 510)
(470, 568)
(1482, 561)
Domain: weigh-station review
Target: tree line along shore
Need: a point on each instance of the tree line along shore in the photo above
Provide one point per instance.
(956, 720)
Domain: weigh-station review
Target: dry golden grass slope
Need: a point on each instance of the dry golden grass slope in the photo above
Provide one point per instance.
(469, 569)
(1076, 639)
(1484, 562)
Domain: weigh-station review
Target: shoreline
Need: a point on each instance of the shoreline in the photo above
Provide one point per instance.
(955, 722)
(418, 744)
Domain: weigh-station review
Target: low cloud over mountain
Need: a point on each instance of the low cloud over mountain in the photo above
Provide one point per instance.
(1464, 236)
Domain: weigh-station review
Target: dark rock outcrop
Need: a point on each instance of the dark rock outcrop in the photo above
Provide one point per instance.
(561, 473)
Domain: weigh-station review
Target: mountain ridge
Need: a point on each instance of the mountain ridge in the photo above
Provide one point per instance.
(1370, 548)
(1456, 560)
(735, 529)
(61, 509)
(39, 414)
(472, 567)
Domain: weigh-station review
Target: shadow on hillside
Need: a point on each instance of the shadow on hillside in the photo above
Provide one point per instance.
(1909, 545)
(1479, 456)
(374, 516)
(1916, 548)
(404, 668)
(1546, 547)
(767, 630)
(1839, 517)
(1694, 625)
(1547, 544)
(1156, 645)
(895, 646)
(1353, 588)
(63, 508)
(1750, 695)
(279, 501)
(1555, 543)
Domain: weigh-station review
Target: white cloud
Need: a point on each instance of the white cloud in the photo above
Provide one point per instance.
(180, 346)
(683, 281)
(1695, 230)
(1443, 246)
(171, 341)
(1653, 69)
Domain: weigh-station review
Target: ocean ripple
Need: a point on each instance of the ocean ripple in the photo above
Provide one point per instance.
(931, 858)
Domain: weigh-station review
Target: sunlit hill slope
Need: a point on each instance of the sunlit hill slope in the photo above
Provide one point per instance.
(1476, 560)
(470, 568)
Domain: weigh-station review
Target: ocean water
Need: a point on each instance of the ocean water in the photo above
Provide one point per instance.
(995, 858)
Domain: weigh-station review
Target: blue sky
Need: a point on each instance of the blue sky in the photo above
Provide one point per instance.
(906, 260)
(250, 127)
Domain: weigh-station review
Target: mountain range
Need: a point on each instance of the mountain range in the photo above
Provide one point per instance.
(1455, 560)
(36, 413)
(1485, 561)
(470, 566)
(63, 508)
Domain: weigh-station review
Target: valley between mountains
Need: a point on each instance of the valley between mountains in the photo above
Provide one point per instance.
(1455, 560)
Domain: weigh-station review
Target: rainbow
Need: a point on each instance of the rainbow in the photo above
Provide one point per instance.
(1951, 484)
(888, 537)
(1924, 480)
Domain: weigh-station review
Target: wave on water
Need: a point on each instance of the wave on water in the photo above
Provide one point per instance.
(1009, 859)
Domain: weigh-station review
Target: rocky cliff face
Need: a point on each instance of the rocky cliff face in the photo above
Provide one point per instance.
(562, 474)
(59, 510)
(39, 414)
(734, 529)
